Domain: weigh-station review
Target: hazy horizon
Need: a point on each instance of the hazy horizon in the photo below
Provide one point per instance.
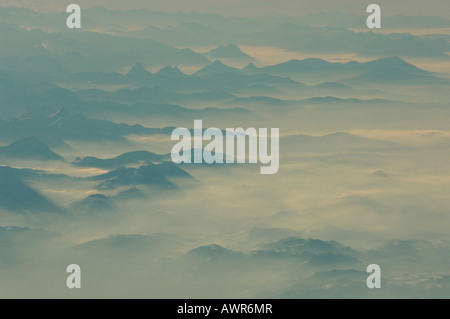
(252, 7)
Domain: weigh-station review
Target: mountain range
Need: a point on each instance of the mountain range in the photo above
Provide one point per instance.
(151, 175)
(28, 148)
(229, 52)
(215, 76)
(69, 126)
(126, 159)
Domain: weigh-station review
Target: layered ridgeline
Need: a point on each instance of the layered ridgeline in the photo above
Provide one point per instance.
(391, 70)
(29, 148)
(230, 52)
(86, 118)
(330, 32)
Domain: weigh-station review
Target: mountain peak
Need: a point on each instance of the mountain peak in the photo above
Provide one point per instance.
(391, 59)
(250, 68)
(229, 51)
(138, 70)
(232, 46)
(394, 62)
(29, 148)
(170, 71)
(94, 204)
(149, 174)
(216, 67)
(28, 141)
(217, 63)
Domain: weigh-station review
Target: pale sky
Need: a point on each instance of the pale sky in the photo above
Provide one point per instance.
(253, 7)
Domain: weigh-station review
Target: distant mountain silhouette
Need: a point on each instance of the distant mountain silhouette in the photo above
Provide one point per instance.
(71, 127)
(271, 103)
(395, 75)
(385, 70)
(260, 100)
(169, 112)
(130, 158)
(19, 97)
(299, 245)
(103, 77)
(216, 67)
(214, 253)
(316, 65)
(93, 204)
(76, 62)
(16, 196)
(149, 95)
(138, 72)
(140, 95)
(151, 175)
(299, 66)
(120, 51)
(215, 76)
(170, 71)
(249, 68)
(313, 252)
(172, 170)
(117, 245)
(229, 51)
(230, 74)
(391, 62)
(29, 148)
(169, 74)
(333, 100)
